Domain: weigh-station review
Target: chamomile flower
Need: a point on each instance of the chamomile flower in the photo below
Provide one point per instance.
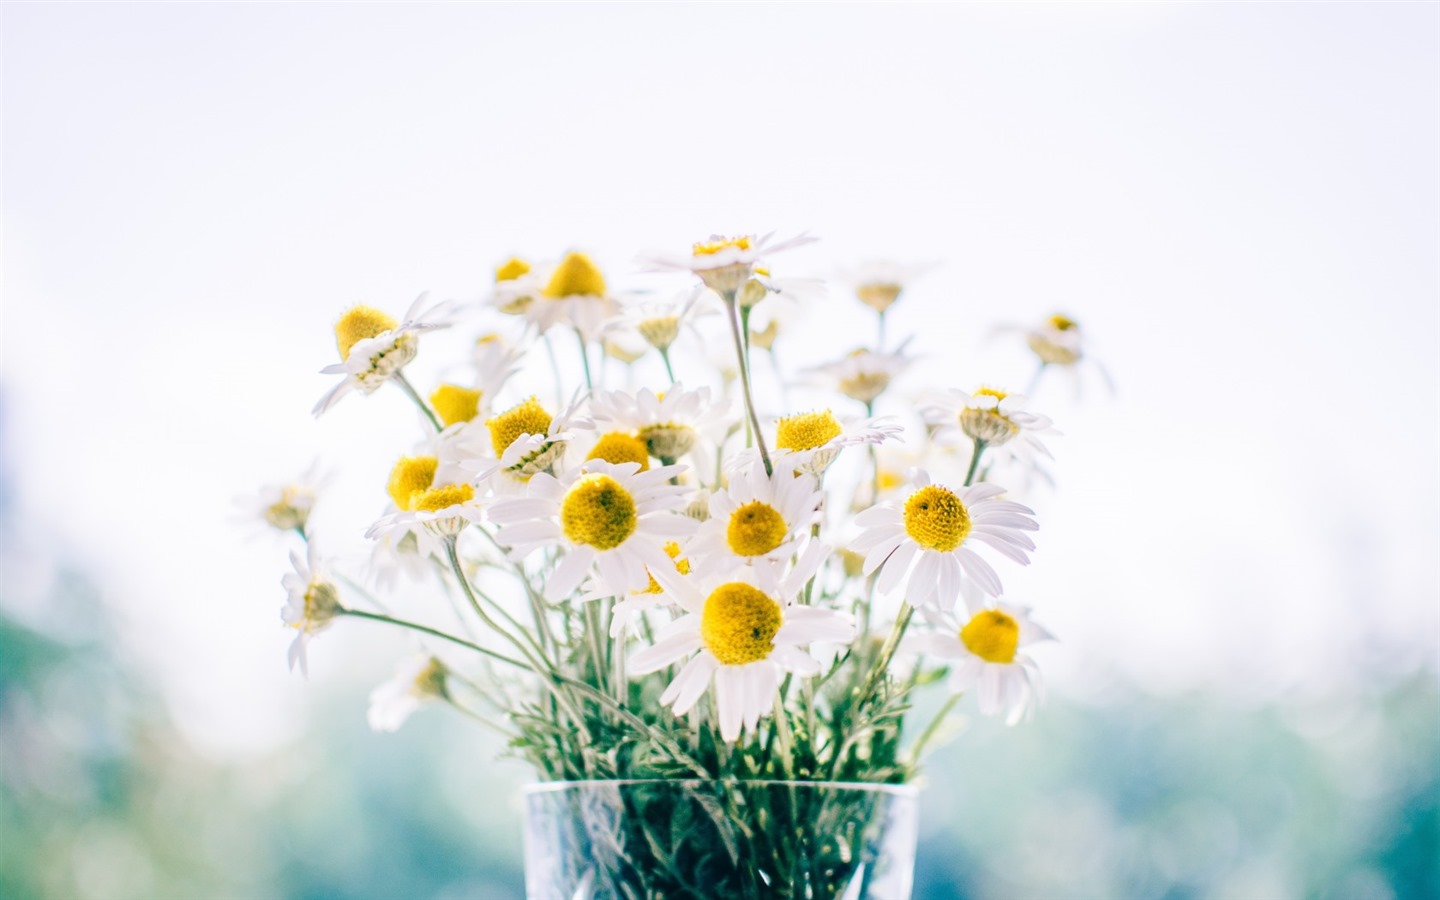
(574, 294)
(613, 519)
(809, 441)
(428, 494)
(758, 516)
(670, 424)
(1056, 341)
(285, 506)
(636, 603)
(374, 347)
(313, 603)
(991, 416)
(659, 322)
(984, 654)
(526, 439)
(725, 264)
(743, 630)
(417, 681)
(516, 287)
(879, 284)
(863, 374)
(931, 539)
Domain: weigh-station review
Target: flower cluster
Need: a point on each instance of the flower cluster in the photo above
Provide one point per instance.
(691, 572)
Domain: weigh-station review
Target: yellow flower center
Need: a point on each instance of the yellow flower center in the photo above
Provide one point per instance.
(988, 425)
(322, 603)
(755, 529)
(439, 498)
(431, 680)
(660, 332)
(412, 475)
(511, 270)
(576, 276)
(936, 519)
(806, 431)
(878, 296)
(619, 447)
(1062, 323)
(292, 509)
(359, 323)
(598, 511)
(991, 392)
(992, 636)
(712, 247)
(455, 403)
(682, 566)
(525, 418)
(738, 624)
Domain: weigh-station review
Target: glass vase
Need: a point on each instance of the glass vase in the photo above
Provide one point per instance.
(707, 839)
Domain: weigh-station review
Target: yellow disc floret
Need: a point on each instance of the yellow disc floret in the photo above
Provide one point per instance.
(322, 603)
(576, 276)
(682, 566)
(806, 431)
(442, 497)
(1062, 323)
(621, 447)
(597, 511)
(936, 519)
(524, 418)
(455, 403)
(755, 529)
(511, 270)
(412, 475)
(988, 425)
(738, 624)
(359, 323)
(992, 636)
(715, 245)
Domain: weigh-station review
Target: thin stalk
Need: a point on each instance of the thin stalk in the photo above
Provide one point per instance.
(467, 711)
(635, 722)
(933, 727)
(584, 359)
(535, 664)
(1035, 379)
(887, 653)
(537, 602)
(874, 458)
(974, 461)
(434, 632)
(880, 333)
(409, 389)
(554, 369)
(665, 358)
(754, 420)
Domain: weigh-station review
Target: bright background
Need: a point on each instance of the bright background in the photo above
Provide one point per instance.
(1238, 201)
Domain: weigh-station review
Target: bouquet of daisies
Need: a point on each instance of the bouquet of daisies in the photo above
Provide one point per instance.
(669, 582)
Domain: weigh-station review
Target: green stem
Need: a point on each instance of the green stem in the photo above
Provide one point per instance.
(584, 359)
(974, 461)
(535, 664)
(933, 727)
(887, 653)
(1035, 380)
(434, 632)
(409, 389)
(665, 358)
(467, 711)
(880, 337)
(754, 421)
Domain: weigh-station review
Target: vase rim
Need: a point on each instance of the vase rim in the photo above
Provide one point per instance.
(903, 790)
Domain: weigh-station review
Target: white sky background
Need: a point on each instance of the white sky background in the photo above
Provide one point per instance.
(1239, 201)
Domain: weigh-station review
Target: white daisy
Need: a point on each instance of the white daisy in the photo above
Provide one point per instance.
(285, 506)
(670, 424)
(743, 627)
(636, 603)
(931, 539)
(516, 287)
(417, 681)
(809, 441)
(313, 603)
(523, 440)
(991, 416)
(758, 516)
(1059, 343)
(374, 347)
(725, 264)
(984, 655)
(863, 374)
(879, 284)
(659, 322)
(613, 519)
(574, 294)
(430, 494)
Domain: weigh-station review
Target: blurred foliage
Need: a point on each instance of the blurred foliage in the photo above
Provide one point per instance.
(100, 795)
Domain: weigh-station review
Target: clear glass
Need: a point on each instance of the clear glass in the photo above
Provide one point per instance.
(731, 839)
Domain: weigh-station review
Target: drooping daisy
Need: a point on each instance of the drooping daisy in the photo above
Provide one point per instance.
(313, 603)
(1056, 341)
(613, 519)
(991, 416)
(285, 506)
(743, 627)
(668, 423)
(575, 294)
(516, 287)
(809, 441)
(758, 516)
(984, 655)
(863, 374)
(417, 681)
(725, 264)
(879, 284)
(374, 347)
(525, 440)
(931, 539)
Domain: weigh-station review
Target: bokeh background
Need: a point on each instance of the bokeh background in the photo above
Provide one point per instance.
(1240, 202)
